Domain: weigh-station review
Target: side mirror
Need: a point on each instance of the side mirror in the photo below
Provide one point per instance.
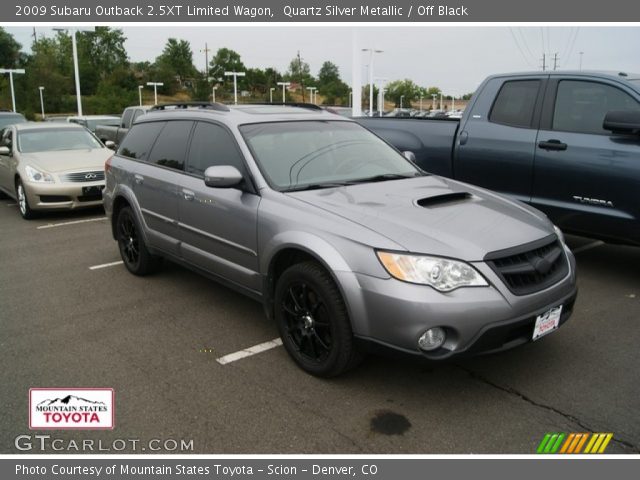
(626, 122)
(409, 156)
(5, 151)
(110, 145)
(222, 176)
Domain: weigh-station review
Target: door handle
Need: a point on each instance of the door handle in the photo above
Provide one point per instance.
(138, 179)
(552, 145)
(188, 195)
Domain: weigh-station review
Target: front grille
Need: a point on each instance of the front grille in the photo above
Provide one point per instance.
(83, 176)
(90, 198)
(54, 198)
(530, 268)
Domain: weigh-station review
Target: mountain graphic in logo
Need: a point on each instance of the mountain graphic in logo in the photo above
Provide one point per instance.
(70, 400)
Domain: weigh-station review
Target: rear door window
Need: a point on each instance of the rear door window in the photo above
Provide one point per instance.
(581, 106)
(126, 118)
(171, 146)
(140, 139)
(516, 103)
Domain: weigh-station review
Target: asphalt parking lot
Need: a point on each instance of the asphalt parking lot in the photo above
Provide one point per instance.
(155, 340)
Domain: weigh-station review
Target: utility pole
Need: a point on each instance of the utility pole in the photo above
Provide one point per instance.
(300, 75)
(555, 61)
(206, 60)
(11, 72)
(544, 62)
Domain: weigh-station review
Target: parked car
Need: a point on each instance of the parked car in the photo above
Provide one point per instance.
(92, 121)
(567, 143)
(347, 244)
(51, 166)
(115, 133)
(9, 118)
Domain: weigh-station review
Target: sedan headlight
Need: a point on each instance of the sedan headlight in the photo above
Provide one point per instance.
(36, 175)
(443, 274)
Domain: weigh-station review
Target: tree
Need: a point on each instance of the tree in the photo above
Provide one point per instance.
(402, 88)
(331, 85)
(300, 72)
(9, 50)
(225, 60)
(175, 65)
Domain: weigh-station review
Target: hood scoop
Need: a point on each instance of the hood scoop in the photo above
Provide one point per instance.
(444, 199)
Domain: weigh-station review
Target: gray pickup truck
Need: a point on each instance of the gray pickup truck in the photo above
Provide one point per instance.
(115, 134)
(567, 143)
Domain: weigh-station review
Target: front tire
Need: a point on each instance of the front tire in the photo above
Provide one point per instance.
(313, 321)
(134, 252)
(23, 202)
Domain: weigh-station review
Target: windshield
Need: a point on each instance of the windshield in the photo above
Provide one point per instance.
(48, 140)
(10, 120)
(91, 124)
(298, 155)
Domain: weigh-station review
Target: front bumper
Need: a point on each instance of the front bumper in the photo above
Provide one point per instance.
(389, 314)
(63, 196)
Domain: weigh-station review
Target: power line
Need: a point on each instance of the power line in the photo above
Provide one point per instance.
(573, 44)
(515, 40)
(526, 45)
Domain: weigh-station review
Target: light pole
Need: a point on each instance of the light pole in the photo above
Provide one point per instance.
(235, 76)
(155, 86)
(420, 102)
(11, 72)
(401, 97)
(140, 87)
(271, 94)
(350, 97)
(381, 83)
(311, 93)
(433, 105)
(440, 100)
(41, 101)
(76, 72)
(453, 103)
(371, 55)
(284, 85)
(581, 53)
(213, 93)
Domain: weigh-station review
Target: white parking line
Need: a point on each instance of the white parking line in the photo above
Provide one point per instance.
(75, 222)
(54, 225)
(588, 247)
(105, 265)
(12, 204)
(247, 352)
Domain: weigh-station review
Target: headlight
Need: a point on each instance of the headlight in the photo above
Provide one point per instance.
(443, 274)
(559, 234)
(36, 175)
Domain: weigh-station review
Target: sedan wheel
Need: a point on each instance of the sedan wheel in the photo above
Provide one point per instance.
(313, 322)
(23, 203)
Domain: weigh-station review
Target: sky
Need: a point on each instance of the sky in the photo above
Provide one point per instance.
(455, 59)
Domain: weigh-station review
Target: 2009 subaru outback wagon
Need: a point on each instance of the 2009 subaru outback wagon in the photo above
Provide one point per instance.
(346, 243)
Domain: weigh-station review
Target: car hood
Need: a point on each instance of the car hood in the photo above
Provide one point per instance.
(434, 215)
(64, 160)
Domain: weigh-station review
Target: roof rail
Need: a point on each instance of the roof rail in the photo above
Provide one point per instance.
(309, 106)
(184, 105)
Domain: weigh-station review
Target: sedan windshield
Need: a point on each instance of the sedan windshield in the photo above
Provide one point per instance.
(47, 140)
(317, 154)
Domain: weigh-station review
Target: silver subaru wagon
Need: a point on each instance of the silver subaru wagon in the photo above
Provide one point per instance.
(348, 245)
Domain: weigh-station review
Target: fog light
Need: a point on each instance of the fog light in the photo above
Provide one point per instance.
(432, 339)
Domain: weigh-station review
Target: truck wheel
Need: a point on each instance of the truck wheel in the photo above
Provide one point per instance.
(23, 202)
(313, 321)
(133, 251)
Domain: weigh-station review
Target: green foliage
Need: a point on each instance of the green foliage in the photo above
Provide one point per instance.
(402, 88)
(9, 50)
(174, 66)
(331, 86)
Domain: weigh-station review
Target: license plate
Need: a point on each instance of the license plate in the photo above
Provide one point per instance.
(547, 322)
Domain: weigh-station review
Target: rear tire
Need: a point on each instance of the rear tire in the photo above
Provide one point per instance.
(134, 252)
(313, 321)
(23, 202)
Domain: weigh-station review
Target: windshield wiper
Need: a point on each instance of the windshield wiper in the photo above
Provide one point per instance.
(317, 186)
(386, 176)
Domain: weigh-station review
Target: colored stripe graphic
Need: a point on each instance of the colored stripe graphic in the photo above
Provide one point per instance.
(573, 443)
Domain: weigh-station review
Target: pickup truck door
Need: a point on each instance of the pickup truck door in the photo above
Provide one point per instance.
(495, 146)
(218, 226)
(586, 178)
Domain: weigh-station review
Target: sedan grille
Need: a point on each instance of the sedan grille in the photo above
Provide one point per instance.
(83, 176)
(530, 268)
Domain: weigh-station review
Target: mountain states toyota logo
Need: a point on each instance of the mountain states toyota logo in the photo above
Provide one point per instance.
(71, 408)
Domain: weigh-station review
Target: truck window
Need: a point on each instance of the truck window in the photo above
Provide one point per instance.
(582, 105)
(212, 145)
(515, 103)
(136, 115)
(171, 147)
(126, 118)
(139, 140)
